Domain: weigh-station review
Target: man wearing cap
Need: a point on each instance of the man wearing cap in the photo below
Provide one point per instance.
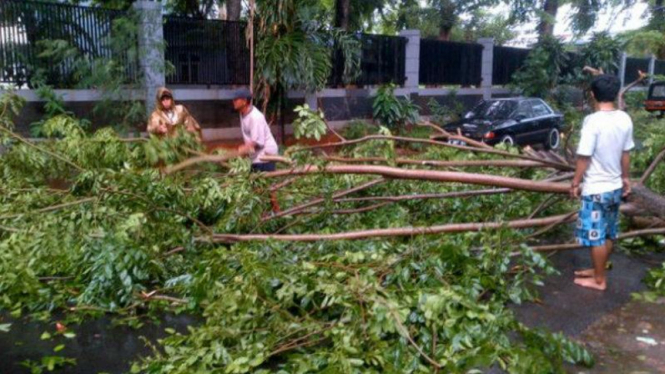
(256, 133)
(167, 117)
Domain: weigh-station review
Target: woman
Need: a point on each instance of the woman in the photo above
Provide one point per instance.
(167, 117)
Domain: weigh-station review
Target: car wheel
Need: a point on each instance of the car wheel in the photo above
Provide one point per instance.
(553, 139)
(508, 139)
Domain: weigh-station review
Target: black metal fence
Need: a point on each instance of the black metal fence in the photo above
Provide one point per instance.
(49, 39)
(507, 61)
(443, 62)
(659, 69)
(632, 67)
(382, 61)
(206, 52)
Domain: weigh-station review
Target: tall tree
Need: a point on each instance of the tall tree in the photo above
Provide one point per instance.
(548, 18)
(583, 18)
(233, 9)
(342, 12)
(438, 16)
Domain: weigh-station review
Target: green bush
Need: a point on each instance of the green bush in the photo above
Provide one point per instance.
(392, 112)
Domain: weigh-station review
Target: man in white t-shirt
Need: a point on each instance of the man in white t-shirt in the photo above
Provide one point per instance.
(603, 160)
(258, 140)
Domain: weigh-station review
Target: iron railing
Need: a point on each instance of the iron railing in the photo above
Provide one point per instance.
(29, 28)
(659, 68)
(632, 67)
(206, 52)
(443, 62)
(507, 61)
(382, 61)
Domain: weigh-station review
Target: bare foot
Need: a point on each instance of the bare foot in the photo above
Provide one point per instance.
(586, 273)
(591, 283)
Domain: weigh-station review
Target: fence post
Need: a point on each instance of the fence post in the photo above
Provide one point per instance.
(151, 49)
(652, 68)
(622, 69)
(487, 66)
(412, 56)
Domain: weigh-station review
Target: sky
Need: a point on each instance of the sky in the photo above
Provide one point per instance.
(614, 21)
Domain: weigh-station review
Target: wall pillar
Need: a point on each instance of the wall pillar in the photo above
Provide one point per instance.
(652, 68)
(487, 66)
(412, 63)
(151, 49)
(622, 69)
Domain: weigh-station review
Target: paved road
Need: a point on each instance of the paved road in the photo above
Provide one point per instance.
(607, 323)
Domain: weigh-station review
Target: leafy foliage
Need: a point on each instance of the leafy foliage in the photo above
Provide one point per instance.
(541, 72)
(391, 112)
(88, 222)
(442, 114)
(602, 52)
(113, 75)
(309, 124)
(294, 48)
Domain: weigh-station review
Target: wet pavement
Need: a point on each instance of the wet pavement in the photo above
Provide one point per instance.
(98, 346)
(569, 308)
(629, 340)
(608, 323)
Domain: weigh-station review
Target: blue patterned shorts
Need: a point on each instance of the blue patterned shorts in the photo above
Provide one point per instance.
(599, 218)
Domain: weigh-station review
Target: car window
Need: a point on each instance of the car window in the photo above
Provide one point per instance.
(539, 108)
(524, 110)
(658, 91)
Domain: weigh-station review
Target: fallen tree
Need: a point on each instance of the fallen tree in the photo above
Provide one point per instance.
(93, 223)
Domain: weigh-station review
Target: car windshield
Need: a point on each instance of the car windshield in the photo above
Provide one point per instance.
(493, 109)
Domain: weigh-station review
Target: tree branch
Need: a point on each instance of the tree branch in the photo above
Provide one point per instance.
(469, 163)
(392, 232)
(434, 142)
(30, 144)
(301, 207)
(428, 175)
(52, 208)
(631, 234)
(652, 166)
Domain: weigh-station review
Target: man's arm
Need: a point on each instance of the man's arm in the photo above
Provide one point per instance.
(247, 149)
(625, 173)
(580, 168)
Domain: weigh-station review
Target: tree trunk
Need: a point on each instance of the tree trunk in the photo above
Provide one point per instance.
(233, 9)
(648, 200)
(444, 33)
(192, 8)
(547, 21)
(342, 8)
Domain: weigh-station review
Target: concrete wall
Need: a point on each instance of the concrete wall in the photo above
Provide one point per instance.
(214, 111)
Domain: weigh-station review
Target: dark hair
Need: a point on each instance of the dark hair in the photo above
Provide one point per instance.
(605, 88)
(243, 93)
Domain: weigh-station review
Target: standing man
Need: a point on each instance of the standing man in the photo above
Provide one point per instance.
(168, 117)
(603, 159)
(256, 133)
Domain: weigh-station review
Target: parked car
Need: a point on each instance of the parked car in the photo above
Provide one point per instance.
(515, 121)
(656, 100)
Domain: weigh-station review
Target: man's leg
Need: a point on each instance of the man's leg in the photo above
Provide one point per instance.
(590, 273)
(599, 255)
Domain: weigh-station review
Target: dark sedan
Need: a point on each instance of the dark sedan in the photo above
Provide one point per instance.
(515, 121)
(656, 100)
